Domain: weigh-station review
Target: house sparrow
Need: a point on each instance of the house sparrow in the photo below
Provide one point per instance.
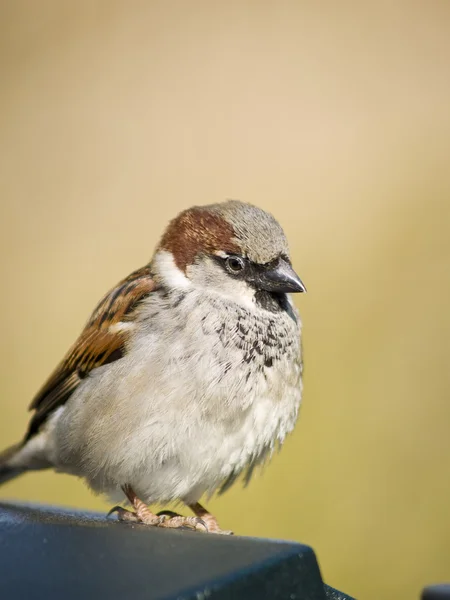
(187, 374)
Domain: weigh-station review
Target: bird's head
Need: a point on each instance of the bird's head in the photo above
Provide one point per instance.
(232, 248)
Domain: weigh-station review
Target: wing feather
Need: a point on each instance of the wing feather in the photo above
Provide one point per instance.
(102, 341)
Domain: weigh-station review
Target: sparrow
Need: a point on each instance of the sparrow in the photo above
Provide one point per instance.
(187, 374)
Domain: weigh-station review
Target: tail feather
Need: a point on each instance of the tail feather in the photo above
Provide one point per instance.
(7, 470)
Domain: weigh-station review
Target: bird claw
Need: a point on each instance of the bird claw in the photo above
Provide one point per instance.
(124, 515)
(168, 513)
(212, 526)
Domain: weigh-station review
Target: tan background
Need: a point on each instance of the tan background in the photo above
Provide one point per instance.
(333, 115)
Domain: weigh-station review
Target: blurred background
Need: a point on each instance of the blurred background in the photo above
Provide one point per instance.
(335, 116)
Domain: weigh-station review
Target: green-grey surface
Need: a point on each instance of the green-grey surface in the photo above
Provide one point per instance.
(51, 553)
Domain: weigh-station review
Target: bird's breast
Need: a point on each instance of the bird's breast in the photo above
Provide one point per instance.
(221, 368)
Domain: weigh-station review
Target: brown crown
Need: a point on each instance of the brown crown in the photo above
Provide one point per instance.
(196, 231)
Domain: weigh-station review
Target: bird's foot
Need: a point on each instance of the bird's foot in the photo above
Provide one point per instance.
(213, 526)
(210, 520)
(175, 521)
(142, 514)
(166, 519)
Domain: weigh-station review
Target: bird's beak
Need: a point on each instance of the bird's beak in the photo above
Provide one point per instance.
(279, 278)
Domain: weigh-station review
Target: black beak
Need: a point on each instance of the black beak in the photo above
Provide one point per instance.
(280, 277)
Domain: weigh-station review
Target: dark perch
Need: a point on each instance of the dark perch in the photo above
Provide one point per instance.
(52, 553)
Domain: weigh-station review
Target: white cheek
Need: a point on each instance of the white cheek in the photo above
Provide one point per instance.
(201, 276)
(168, 271)
(243, 294)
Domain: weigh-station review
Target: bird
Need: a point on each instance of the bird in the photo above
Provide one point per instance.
(187, 375)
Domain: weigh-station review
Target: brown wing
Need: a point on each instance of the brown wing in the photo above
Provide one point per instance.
(99, 343)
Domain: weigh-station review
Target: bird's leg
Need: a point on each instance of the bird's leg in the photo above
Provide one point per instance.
(209, 519)
(142, 514)
(141, 510)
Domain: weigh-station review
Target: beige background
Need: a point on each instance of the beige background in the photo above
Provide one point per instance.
(334, 116)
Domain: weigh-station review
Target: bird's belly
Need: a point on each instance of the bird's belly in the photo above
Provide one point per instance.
(210, 455)
(176, 434)
(201, 450)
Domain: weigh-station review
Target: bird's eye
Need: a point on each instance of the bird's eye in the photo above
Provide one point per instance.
(235, 264)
